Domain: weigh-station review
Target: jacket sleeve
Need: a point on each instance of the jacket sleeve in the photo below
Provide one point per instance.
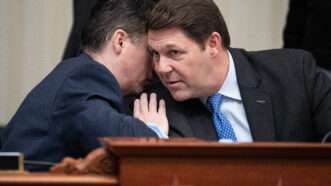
(318, 86)
(89, 106)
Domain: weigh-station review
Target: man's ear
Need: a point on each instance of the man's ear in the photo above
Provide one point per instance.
(214, 43)
(117, 40)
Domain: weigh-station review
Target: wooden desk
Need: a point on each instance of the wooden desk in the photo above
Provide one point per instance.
(42, 179)
(152, 162)
(197, 163)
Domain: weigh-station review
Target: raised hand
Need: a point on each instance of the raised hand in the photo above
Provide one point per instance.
(150, 112)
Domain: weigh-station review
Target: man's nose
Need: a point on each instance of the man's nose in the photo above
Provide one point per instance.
(163, 66)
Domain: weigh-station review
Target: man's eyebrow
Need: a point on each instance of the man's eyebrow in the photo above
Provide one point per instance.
(170, 46)
(163, 48)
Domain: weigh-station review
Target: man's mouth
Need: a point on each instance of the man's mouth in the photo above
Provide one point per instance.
(173, 84)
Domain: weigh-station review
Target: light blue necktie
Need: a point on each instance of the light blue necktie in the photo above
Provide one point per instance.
(223, 127)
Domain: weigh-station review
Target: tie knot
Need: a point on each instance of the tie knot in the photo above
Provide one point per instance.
(215, 101)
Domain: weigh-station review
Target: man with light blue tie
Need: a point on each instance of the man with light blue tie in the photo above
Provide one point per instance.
(274, 95)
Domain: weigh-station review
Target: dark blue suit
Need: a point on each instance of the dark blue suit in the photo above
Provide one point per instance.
(79, 101)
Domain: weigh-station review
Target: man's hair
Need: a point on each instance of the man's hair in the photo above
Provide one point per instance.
(197, 18)
(110, 15)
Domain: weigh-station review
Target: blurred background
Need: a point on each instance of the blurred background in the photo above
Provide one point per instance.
(33, 34)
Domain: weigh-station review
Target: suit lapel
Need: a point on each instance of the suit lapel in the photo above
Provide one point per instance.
(200, 120)
(191, 119)
(178, 122)
(258, 109)
(257, 102)
(186, 119)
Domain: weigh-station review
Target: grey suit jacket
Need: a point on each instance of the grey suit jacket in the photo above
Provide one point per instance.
(284, 95)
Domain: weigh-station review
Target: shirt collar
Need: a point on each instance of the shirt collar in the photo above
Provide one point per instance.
(230, 86)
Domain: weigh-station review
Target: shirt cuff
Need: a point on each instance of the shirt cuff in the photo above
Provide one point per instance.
(158, 131)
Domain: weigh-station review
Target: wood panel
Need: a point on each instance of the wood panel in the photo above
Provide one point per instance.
(42, 179)
(198, 163)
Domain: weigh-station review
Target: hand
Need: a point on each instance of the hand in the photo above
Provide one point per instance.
(149, 113)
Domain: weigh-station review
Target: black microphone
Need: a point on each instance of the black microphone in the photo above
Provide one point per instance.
(11, 161)
(327, 137)
(14, 161)
(38, 163)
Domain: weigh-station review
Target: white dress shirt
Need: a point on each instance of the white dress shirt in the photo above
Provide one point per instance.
(232, 106)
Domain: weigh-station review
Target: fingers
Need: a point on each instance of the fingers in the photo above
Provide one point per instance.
(152, 103)
(146, 105)
(162, 107)
(148, 110)
(143, 103)
(151, 112)
(136, 108)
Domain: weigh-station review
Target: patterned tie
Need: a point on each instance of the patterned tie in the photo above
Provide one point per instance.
(222, 125)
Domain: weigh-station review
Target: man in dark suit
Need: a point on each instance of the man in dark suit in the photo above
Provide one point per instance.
(81, 99)
(275, 95)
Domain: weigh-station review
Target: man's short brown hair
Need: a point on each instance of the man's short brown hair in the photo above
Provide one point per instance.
(109, 15)
(197, 18)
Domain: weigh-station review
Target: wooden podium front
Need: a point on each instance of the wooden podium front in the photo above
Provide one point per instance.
(154, 162)
(189, 162)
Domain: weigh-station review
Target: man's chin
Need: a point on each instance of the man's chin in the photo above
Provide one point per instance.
(179, 96)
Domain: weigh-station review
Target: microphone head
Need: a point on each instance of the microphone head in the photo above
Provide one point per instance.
(327, 137)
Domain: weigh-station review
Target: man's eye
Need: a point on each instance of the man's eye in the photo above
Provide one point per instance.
(155, 56)
(174, 53)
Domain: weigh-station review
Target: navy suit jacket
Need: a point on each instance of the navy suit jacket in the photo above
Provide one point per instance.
(78, 102)
(286, 98)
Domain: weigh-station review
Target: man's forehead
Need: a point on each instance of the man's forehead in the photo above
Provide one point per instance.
(164, 33)
(163, 38)
(163, 44)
